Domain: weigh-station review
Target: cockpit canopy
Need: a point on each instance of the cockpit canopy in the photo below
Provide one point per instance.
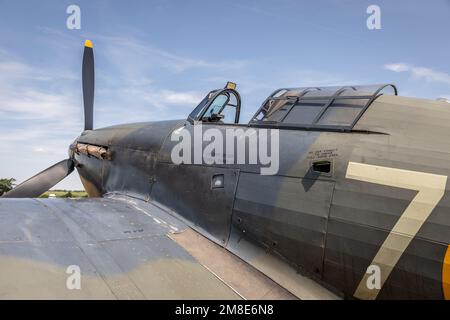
(335, 108)
(316, 108)
(219, 106)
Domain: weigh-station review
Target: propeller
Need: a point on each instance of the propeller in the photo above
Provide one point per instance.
(88, 85)
(43, 181)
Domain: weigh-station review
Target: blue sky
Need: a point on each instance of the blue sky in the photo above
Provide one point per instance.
(155, 60)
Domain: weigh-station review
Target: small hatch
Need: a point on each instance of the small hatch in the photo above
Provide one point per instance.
(322, 166)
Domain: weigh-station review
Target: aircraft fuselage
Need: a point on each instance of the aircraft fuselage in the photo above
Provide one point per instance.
(363, 216)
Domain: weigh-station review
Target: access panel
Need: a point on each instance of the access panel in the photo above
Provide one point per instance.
(202, 195)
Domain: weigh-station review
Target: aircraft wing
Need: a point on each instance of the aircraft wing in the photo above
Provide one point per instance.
(122, 248)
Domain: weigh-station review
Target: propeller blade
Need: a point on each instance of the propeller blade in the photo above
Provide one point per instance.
(43, 181)
(88, 85)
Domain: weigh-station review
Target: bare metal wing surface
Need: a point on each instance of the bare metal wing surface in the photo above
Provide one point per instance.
(124, 248)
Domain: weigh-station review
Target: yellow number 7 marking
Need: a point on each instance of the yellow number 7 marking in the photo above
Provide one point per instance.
(430, 187)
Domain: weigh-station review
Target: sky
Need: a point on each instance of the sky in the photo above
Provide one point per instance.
(155, 60)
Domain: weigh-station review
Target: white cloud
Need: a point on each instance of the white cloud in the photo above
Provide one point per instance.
(150, 103)
(40, 115)
(424, 73)
(30, 103)
(12, 69)
(130, 54)
(169, 97)
(30, 92)
(38, 149)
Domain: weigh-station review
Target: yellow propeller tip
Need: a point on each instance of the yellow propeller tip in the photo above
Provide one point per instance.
(88, 43)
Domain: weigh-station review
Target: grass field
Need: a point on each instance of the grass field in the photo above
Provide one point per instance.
(65, 194)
